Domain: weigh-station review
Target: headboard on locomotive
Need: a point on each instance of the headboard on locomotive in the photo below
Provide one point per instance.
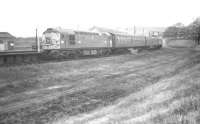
(6, 41)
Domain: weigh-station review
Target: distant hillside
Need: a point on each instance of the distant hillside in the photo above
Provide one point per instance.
(25, 43)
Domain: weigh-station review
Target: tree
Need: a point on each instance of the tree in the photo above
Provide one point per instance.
(179, 25)
(194, 28)
(170, 32)
(179, 31)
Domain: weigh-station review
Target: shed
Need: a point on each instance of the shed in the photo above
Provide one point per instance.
(6, 41)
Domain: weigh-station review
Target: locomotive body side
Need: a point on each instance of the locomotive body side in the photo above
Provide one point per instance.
(87, 40)
(75, 39)
(65, 43)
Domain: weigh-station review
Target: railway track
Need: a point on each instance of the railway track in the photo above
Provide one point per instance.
(11, 58)
(8, 58)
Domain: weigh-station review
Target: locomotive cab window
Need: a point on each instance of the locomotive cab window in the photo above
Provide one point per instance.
(72, 39)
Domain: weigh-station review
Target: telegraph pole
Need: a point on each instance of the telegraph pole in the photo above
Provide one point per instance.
(143, 31)
(37, 41)
(134, 31)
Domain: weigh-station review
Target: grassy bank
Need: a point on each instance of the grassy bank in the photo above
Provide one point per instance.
(123, 89)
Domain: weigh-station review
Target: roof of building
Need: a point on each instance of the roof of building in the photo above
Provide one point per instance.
(6, 35)
(49, 30)
(104, 30)
(68, 31)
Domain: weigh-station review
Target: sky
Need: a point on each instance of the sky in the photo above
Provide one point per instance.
(22, 17)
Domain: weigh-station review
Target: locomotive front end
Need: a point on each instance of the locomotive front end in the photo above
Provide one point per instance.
(50, 40)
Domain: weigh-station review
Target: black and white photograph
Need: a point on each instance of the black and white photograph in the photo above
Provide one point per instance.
(100, 62)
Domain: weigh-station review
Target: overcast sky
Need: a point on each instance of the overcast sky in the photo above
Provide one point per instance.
(21, 17)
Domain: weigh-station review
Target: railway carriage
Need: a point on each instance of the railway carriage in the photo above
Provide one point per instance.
(129, 41)
(153, 42)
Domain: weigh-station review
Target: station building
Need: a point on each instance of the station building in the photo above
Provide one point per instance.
(6, 41)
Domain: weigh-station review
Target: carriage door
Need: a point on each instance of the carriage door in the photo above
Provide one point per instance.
(72, 40)
(63, 40)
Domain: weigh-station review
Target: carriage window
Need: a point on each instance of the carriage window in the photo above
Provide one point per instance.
(72, 39)
(1, 42)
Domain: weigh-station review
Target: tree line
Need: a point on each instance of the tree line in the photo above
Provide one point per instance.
(189, 32)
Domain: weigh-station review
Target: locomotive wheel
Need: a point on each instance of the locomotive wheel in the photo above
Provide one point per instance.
(55, 54)
(74, 55)
(107, 52)
(65, 54)
(100, 52)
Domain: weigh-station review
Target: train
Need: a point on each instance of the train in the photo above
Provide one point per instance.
(57, 43)
(73, 43)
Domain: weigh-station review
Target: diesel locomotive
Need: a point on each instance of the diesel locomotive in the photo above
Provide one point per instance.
(71, 43)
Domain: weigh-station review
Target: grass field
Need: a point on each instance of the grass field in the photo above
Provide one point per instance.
(157, 87)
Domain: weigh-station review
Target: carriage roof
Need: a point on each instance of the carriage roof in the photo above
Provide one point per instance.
(69, 31)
